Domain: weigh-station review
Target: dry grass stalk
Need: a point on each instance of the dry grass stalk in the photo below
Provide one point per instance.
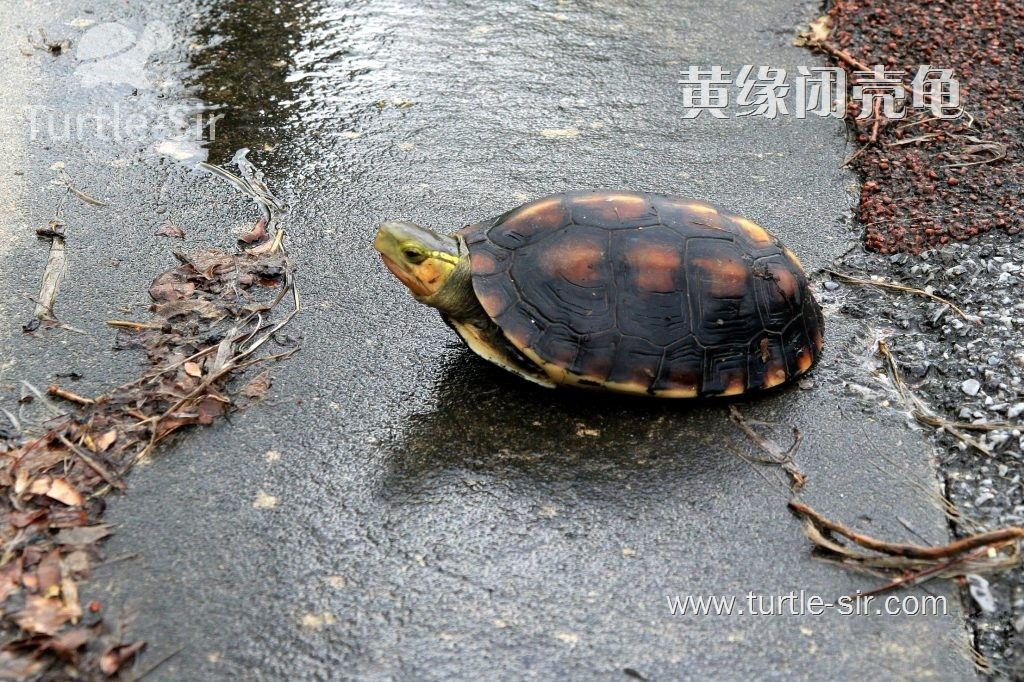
(884, 284)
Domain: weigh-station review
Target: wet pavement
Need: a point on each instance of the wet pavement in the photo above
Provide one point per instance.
(435, 517)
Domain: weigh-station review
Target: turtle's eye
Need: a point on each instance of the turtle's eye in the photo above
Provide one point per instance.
(413, 255)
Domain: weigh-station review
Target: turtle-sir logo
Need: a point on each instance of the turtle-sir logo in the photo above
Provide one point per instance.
(112, 54)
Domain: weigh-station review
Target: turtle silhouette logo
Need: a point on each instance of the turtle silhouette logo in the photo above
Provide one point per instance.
(112, 54)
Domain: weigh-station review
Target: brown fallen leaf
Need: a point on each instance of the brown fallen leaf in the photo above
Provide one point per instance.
(169, 229)
(82, 536)
(69, 593)
(21, 519)
(117, 656)
(211, 262)
(257, 234)
(168, 425)
(48, 573)
(68, 643)
(166, 289)
(77, 562)
(193, 369)
(258, 386)
(104, 442)
(189, 306)
(42, 615)
(10, 578)
(58, 489)
(211, 408)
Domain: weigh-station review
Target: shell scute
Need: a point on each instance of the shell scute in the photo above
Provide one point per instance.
(646, 293)
(637, 364)
(613, 210)
(723, 306)
(521, 226)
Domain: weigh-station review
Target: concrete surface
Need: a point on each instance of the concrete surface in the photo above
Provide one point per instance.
(437, 518)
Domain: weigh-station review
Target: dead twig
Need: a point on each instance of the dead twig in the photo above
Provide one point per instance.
(134, 326)
(918, 409)
(876, 114)
(93, 464)
(777, 456)
(951, 549)
(977, 153)
(882, 284)
(70, 396)
(159, 662)
(923, 575)
(53, 273)
(911, 140)
(79, 193)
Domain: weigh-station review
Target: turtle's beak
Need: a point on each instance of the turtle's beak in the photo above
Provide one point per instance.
(407, 278)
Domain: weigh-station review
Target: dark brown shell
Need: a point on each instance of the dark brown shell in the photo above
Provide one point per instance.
(646, 293)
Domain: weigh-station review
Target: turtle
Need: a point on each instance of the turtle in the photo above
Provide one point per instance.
(629, 292)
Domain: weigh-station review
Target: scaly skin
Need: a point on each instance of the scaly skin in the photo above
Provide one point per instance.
(436, 269)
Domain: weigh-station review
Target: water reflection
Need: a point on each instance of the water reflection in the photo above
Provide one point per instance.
(486, 420)
(244, 60)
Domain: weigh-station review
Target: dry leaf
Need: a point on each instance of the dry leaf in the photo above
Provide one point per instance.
(169, 229)
(10, 578)
(257, 234)
(167, 288)
(69, 592)
(258, 386)
(42, 615)
(104, 442)
(68, 643)
(818, 32)
(193, 369)
(48, 574)
(21, 519)
(62, 491)
(58, 489)
(84, 535)
(117, 656)
(20, 481)
(189, 306)
(211, 408)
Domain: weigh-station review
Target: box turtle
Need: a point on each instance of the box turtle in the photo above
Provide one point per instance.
(628, 292)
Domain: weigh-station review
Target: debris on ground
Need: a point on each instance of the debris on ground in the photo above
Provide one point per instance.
(46, 44)
(970, 380)
(169, 229)
(87, 198)
(212, 315)
(53, 273)
(927, 180)
(904, 565)
(909, 564)
(934, 193)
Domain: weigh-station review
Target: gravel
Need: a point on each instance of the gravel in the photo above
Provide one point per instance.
(940, 204)
(967, 372)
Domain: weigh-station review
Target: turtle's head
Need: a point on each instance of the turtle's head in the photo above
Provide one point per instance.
(422, 259)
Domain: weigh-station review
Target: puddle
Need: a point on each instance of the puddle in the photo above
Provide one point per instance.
(289, 77)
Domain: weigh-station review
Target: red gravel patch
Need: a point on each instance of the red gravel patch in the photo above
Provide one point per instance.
(912, 199)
